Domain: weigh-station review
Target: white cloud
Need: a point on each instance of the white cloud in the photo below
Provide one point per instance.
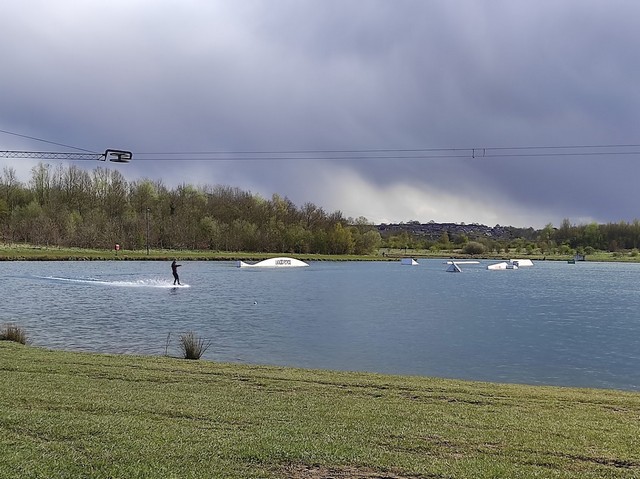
(453, 200)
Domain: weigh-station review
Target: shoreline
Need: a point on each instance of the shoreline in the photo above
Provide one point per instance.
(241, 364)
(14, 252)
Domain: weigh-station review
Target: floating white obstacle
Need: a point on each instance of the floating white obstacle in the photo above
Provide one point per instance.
(512, 264)
(274, 263)
(454, 268)
(521, 262)
(409, 261)
(497, 266)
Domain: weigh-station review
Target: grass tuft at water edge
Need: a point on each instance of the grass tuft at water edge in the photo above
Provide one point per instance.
(13, 332)
(192, 346)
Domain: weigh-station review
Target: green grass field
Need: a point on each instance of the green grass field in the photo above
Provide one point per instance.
(20, 252)
(14, 252)
(72, 415)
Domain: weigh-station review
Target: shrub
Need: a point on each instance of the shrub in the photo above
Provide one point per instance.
(11, 332)
(192, 346)
(473, 247)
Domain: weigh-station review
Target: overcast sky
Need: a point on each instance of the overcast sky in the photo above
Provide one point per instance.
(467, 77)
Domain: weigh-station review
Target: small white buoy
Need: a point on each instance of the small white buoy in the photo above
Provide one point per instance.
(255, 302)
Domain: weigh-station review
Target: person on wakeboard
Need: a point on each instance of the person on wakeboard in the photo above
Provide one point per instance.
(174, 270)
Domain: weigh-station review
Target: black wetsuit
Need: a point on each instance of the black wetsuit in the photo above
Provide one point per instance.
(174, 270)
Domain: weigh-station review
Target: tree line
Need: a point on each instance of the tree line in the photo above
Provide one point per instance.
(71, 207)
(568, 238)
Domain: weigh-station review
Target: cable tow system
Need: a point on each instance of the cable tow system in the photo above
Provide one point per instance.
(116, 156)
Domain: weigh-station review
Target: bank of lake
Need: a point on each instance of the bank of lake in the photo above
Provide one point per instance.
(71, 414)
(22, 252)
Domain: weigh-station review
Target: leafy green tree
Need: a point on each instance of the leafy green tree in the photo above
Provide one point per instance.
(340, 240)
(462, 240)
(444, 241)
(211, 232)
(565, 233)
(27, 220)
(473, 247)
(41, 182)
(367, 242)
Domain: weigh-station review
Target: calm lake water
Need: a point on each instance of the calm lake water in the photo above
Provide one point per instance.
(553, 323)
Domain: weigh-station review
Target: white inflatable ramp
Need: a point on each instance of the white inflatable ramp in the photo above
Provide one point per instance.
(274, 263)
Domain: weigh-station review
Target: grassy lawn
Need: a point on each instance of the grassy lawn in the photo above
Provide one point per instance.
(70, 415)
(12, 252)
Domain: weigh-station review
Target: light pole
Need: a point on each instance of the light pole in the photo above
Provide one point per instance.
(148, 209)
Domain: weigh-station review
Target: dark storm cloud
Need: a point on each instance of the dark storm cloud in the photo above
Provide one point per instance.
(334, 75)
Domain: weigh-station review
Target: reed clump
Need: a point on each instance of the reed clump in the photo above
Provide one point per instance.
(12, 332)
(192, 346)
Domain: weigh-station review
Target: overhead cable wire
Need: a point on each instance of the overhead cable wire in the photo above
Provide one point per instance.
(373, 154)
(394, 154)
(385, 150)
(45, 141)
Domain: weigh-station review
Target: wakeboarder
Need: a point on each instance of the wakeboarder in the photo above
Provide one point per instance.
(174, 270)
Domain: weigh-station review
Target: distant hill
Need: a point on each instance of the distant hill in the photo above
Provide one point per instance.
(434, 231)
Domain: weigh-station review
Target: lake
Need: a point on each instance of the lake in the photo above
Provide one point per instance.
(553, 323)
